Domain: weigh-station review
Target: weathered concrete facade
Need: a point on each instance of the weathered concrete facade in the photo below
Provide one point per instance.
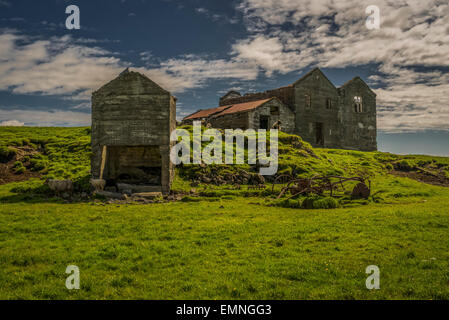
(258, 114)
(132, 118)
(326, 116)
(264, 116)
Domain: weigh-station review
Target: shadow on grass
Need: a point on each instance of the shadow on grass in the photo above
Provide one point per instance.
(36, 191)
(30, 198)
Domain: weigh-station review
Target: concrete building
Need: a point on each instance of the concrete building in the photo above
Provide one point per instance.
(324, 115)
(132, 118)
(260, 114)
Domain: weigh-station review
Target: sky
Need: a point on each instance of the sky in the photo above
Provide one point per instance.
(200, 49)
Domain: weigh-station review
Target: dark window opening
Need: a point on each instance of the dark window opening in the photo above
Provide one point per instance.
(264, 121)
(329, 103)
(274, 111)
(319, 138)
(358, 105)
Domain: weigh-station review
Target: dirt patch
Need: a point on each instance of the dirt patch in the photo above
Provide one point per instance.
(7, 172)
(434, 179)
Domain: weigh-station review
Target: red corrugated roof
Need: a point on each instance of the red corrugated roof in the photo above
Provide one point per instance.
(242, 107)
(206, 113)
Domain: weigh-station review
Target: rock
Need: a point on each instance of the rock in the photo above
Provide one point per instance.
(122, 187)
(206, 180)
(148, 195)
(195, 184)
(110, 189)
(113, 195)
(244, 174)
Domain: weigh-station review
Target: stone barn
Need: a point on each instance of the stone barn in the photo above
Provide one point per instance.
(132, 118)
(258, 114)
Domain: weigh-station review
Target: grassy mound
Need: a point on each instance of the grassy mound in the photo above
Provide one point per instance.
(60, 153)
(64, 153)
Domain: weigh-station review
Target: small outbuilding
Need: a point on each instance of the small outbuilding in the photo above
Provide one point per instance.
(259, 114)
(132, 118)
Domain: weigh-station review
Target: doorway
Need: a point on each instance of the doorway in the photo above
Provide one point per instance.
(141, 165)
(264, 121)
(319, 134)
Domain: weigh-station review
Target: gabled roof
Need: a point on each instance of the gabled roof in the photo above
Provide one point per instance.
(355, 79)
(232, 92)
(312, 72)
(126, 79)
(242, 107)
(205, 113)
(228, 109)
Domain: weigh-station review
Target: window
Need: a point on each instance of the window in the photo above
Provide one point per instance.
(274, 111)
(329, 103)
(358, 105)
(308, 101)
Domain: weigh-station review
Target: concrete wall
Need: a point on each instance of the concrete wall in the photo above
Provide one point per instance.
(359, 130)
(285, 94)
(132, 110)
(285, 115)
(251, 119)
(340, 125)
(231, 121)
(317, 89)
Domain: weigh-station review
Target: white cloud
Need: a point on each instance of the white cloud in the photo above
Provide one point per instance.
(331, 33)
(66, 66)
(45, 118)
(11, 123)
(192, 71)
(53, 66)
(82, 106)
(284, 36)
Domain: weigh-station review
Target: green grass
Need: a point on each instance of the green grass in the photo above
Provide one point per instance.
(64, 152)
(224, 250)
(224, 243)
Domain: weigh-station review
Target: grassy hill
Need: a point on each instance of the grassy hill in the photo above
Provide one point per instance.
(221, 242)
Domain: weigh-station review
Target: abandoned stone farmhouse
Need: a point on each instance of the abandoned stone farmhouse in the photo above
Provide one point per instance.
(312, 107)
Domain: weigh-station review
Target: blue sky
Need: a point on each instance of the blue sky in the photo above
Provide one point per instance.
(200, 49)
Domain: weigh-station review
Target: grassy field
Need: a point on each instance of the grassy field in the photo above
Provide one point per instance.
(223, 245)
